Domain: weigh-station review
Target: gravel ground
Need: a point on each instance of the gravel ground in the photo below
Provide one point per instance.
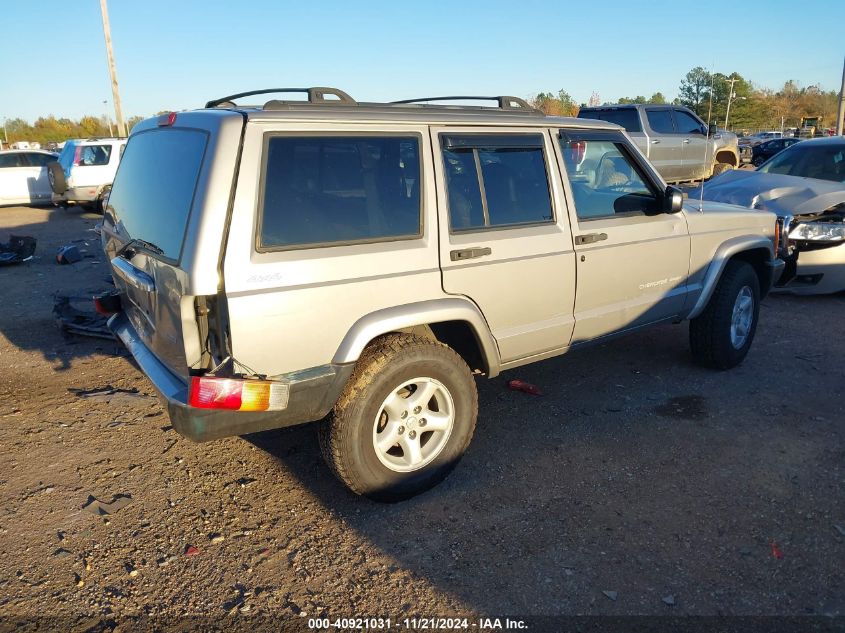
(637, 484)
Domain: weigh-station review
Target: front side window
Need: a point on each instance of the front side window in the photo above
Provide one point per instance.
(496, 181)
(606, 182)
(338, 189)
(688, 124)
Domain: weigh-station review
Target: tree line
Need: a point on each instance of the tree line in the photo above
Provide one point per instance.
(49, 129)
(708, 94)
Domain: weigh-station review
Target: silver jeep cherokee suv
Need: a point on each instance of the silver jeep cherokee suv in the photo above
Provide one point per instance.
(357, 263)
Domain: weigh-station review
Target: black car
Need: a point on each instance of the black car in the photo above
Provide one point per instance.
(764, 151)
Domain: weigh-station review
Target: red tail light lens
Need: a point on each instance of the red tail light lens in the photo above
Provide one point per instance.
(210, 392)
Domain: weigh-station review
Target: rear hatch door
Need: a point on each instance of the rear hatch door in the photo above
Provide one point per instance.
(144, 230)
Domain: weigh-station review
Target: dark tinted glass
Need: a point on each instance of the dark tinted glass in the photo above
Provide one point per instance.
(628, 118)
(39, 160)
(10, 160)
(513, 174)
(661, 121)
(822, 161)
(687, 124)
(323, 190)
(154, 187)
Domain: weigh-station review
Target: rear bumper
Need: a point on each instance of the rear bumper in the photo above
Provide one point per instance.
(77, 194)
(313, 393)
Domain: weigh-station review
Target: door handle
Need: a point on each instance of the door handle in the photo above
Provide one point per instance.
(686, 140)
(470, 253)
(590, 238)
(655, 141)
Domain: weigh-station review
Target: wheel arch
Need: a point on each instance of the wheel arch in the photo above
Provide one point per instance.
(453, 321)
(756, 250)
(727, 156)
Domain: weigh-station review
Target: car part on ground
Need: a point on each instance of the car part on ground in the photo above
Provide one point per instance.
(359, 276)
(73, 319)
(19, 248)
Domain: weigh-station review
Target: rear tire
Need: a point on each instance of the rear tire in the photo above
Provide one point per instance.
(404, 419)
(721, 336)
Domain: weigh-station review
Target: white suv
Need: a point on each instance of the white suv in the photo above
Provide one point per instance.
(85, 170)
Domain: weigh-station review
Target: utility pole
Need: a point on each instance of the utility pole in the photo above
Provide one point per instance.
(121, 128)
(840, 113)
(730, 98)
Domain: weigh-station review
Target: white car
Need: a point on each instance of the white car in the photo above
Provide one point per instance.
(85, 170)
(23, 176)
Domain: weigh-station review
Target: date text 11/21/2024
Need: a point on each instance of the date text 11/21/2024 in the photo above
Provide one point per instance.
(416, 624)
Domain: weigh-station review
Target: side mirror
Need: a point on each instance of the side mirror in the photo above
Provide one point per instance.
(713, 130)
(673, 200)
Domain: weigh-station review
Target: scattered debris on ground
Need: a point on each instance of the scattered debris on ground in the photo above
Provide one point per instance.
(70, 318)
(19, 248)
(95, 506)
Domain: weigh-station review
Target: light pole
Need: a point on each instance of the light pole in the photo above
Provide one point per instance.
(108, 118)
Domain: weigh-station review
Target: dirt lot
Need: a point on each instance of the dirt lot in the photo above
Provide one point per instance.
(637, 484)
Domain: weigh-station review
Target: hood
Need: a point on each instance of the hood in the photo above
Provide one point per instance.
(781, 194)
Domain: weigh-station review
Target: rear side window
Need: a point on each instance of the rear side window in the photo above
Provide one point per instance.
(11, 160)
(628, 118)
(94, 155)
(339, 189)
(496, 181)
(661, 121)
(154, 188)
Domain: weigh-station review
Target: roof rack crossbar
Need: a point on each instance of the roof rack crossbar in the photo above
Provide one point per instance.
(315, 95)
(505, 102)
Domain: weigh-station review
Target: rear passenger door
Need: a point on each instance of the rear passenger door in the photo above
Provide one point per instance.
(504, 238)
(666, 149)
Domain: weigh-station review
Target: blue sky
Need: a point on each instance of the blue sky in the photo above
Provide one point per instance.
(177, 54)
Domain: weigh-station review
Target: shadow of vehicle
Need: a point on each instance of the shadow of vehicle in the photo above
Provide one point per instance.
(635, 472)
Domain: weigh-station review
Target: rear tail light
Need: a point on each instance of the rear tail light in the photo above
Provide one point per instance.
(166, 120)
(210, 392)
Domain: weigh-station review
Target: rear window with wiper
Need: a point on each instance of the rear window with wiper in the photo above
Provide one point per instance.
(154, 188)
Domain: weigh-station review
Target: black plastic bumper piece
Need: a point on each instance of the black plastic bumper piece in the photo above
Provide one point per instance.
(313, 393)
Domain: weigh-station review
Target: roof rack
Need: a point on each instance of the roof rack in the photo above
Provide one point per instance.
(505, 102)
(315, 95)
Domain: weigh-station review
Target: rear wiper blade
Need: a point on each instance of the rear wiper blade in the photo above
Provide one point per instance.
(142, 243)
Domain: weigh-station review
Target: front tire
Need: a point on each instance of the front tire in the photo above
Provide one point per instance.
(404, 419)
(721, 336)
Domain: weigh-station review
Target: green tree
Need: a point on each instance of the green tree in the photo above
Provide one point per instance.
(695, 90)
(657, 97)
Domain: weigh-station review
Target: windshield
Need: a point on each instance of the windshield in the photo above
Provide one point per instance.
(824, 162)
(154, 187)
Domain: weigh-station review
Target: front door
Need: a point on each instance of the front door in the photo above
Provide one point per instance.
(504, 238)
(665, 147)
(632, 258)
(697, 158)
